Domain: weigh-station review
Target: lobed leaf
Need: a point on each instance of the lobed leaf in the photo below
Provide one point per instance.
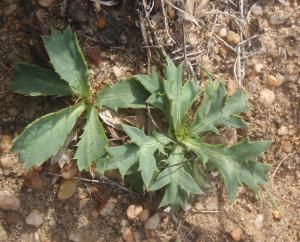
(33, 80)
(148, 145)
(175, 173)
(67, 60)
(93, 142)
(234, 163)
(123, 157)
(42, 138)
(124, 94)
(216, 109)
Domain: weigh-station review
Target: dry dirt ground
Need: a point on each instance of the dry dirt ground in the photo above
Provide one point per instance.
(274, 115)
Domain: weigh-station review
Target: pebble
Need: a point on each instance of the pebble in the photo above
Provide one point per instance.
(223, 32)
(41, 15)
(128, 235)
(7, 161)
(46, 3)
(153, 222)
(12, 217)
(67, 189)
(287, 146)
(8, 201)
(280, 78)
(236, 234)
(272, 81)
(267, 97)
(276, 215)
(74, 236)
(257, 10)
(134, 211)
(233, 38)
(258, 67)
(35, 218)
(212, 203)
(259, 221)
(6, 143)
(283, 130)
(69, 171)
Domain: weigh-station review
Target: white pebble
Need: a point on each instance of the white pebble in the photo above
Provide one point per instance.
(35, 218)
(8, 201)
(152, 222)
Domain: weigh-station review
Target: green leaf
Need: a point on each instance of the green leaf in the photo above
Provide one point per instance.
(254, 173)
(33, 80)
(233, 162)
(216, 109)
(175, 173)
(124, 94)
(42, 138)
(67, 60)
(148, 145)
(123, 157)
(93, 142)
(179, 97)
(174, 196)
(151, 83)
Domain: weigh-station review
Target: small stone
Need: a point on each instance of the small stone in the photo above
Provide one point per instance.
(223, 32)
(212, 203)
(41, 15)
(267, 97)
(108, 207)
(74, 236)
(258, 221)
(144, 215)
(258, 67)
(8, 201)
(7, 161)
(35, 218)
(272, 81)
(11, 217)
(134, 211)
(287, 146)
(46, 3)
(257, 10)
(97, 7)
(6, 143)
(276, 215)
(236, 234)
(283, 130)
(101, 22)
(67, 188)
(152, 222)
(233, 38)
(128, 235)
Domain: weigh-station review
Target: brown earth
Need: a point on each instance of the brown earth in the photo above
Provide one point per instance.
(275, 51)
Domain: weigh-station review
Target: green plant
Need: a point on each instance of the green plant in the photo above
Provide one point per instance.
(170, 159)
(45, 136)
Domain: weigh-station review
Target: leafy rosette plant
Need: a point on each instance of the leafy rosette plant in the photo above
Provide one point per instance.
(175, 159)
(69, 77)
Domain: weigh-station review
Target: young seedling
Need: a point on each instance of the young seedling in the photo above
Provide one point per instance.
(172, 159)
(45, 136)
